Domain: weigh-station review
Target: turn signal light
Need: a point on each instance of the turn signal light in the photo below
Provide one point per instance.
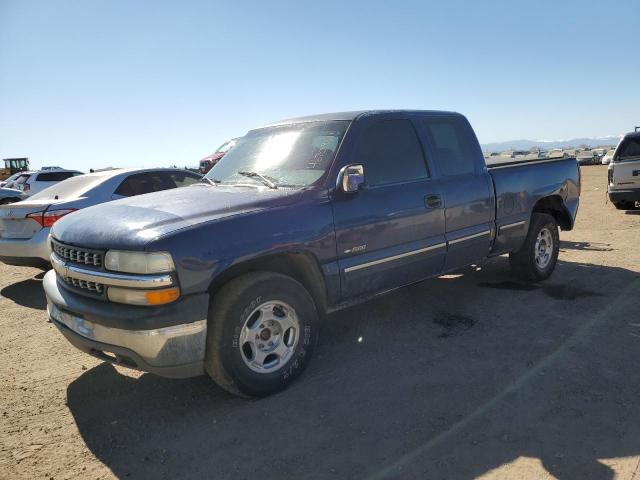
(143, 297)
(159, 297)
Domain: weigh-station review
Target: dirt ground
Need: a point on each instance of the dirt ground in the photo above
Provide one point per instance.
(465, 376)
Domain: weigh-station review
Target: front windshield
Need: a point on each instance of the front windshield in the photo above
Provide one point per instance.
(288, 155)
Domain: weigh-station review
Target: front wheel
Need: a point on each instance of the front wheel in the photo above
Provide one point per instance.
(262, 329)
(537, 258)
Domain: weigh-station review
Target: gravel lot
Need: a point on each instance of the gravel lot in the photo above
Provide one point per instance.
(464, 376)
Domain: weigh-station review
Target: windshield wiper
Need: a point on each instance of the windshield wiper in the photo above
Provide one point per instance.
(209, 181)
(258, 176)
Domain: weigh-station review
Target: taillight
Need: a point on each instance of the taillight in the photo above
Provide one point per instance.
(47, 219)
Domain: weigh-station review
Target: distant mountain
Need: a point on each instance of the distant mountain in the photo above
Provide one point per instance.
(548, 144)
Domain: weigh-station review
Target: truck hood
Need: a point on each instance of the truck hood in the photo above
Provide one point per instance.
(133, 222)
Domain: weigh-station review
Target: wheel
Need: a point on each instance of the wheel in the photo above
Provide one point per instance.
(538, 256)
(624, 205)
(262, 328)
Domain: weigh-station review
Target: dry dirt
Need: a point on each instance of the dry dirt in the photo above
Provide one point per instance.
(464, 376)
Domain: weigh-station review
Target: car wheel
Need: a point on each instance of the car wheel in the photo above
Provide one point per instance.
(538, 256)
(262, 328)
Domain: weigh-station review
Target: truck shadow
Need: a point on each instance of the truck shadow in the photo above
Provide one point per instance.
(589, 246)
(443, 379)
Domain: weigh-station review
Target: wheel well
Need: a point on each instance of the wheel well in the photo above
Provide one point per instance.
(300, 266)
(554, 206)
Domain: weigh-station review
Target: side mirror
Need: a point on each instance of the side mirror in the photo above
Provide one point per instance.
(351, 178)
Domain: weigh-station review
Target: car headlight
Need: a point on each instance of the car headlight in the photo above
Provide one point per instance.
(138, 262)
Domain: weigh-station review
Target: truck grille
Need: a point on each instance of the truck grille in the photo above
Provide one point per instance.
(93, 287)
(82, 256)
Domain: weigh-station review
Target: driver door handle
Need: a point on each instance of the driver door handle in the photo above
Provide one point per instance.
(433, 201)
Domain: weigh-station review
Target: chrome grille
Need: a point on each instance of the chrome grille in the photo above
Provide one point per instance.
(93, 287)
(78, 255)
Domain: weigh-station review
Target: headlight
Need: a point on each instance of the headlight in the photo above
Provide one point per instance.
(143, 297)
(138, 262)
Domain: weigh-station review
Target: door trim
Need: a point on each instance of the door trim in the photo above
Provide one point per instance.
(394, 257)
(469, 237)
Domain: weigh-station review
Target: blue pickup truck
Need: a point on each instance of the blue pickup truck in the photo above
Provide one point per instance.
(232, 276)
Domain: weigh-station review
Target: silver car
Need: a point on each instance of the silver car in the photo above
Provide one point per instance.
(11, 195)
(24, 226)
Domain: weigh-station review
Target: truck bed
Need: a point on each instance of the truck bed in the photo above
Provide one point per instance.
(519, 186)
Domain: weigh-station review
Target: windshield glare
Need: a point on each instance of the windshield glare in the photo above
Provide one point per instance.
(289, 155)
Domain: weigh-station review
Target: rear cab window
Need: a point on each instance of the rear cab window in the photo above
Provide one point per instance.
(391, 153)
(628, 150)
(453, 147)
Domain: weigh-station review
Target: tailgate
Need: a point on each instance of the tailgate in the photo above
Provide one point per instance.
(14, 223)
(626, 174)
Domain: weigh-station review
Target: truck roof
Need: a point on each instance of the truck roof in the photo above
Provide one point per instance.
(323, 117)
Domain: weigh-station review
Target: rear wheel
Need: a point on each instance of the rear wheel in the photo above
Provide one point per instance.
(537, 258)
(262, 329)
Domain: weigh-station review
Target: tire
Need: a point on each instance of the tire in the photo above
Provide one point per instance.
(624, 205)
(529, 263)
(237, 342)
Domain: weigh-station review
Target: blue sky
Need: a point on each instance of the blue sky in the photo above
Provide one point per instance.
(130, 83)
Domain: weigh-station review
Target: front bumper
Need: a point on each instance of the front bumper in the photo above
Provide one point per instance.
(34, 251)
(168, 340)
(624, 195)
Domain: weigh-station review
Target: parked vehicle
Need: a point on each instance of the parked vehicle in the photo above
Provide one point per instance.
(606, 158)
(208, 162)
(624, 172)
(301, 218)
(10, 179)
(13, 166)
(586, 158)
(10, 195)
(24, 226)
(35, 182)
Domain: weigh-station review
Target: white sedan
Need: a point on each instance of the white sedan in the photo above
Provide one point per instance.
(24, 226)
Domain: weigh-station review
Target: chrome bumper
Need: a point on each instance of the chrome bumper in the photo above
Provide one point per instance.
(153, 350)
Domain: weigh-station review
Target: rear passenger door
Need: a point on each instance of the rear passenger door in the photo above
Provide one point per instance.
(466, 185)
(386, 234)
